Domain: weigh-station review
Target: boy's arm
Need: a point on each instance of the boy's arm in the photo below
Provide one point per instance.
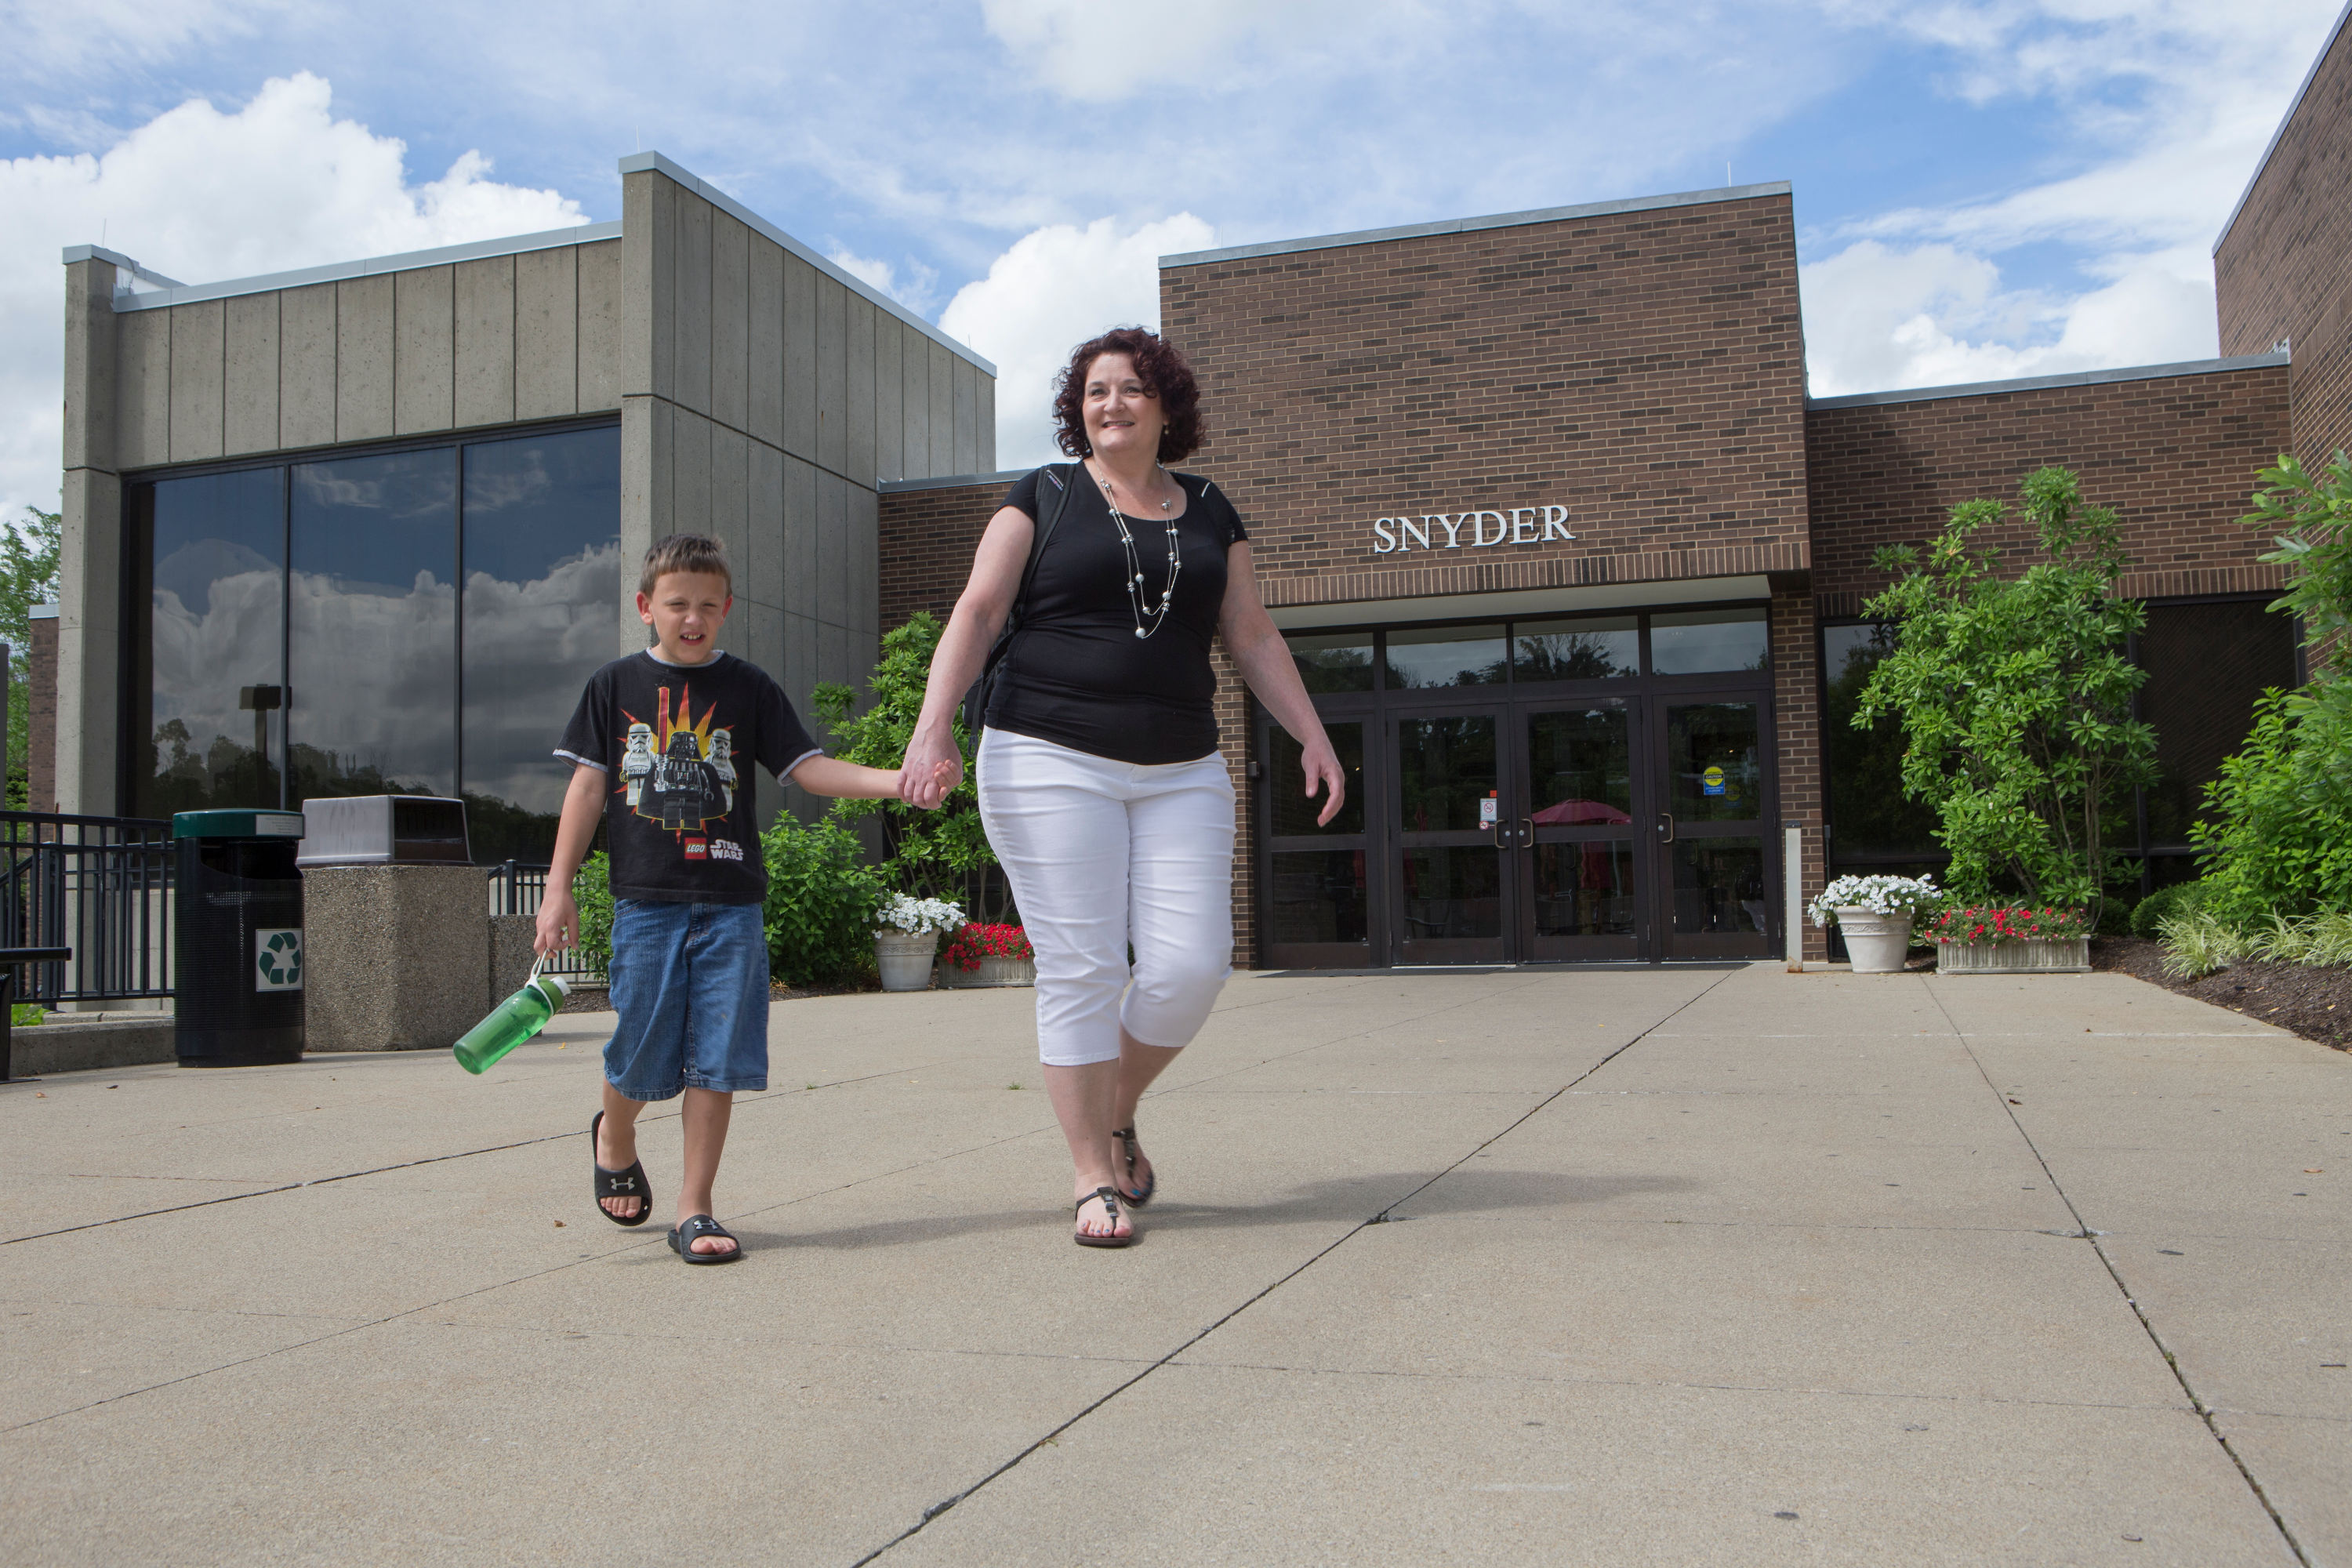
(583, 805)
(831, 775)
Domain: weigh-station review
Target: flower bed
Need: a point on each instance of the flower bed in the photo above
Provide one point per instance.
(980, 955)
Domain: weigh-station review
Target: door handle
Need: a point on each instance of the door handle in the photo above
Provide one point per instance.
(1526, 833)
(1666, 820)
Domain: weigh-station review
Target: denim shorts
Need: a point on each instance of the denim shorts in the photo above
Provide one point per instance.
(690, 983)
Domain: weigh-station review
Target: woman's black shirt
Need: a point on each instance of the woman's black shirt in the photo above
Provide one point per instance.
(1076, 673)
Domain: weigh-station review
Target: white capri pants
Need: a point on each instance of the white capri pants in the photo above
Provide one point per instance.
(1102, 853)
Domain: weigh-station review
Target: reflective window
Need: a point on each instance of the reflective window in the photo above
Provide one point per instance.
(1707, 642)
(1713, 771)
(1581, 765)
(1584, 889)
(2206, 663)
(1329, 663)
(373, 595)
(1718, 886)
(1445, 772)
(1294, 811)
(1575, 650)
(1452, 892)
(542, 580)
(1317, 897)
(205, 714)
(1869, 813)
(1428, 658)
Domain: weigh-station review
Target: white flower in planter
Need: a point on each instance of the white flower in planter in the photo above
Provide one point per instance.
(1879, 895)
(918, 917)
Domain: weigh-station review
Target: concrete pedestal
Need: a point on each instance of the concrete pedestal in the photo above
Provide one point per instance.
(399, 956)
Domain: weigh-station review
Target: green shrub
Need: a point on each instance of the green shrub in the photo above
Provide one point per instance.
(2278, 833)
(2162, 905)
(820, 907)
(26, 1014)
(2196, 944)
(592, 889)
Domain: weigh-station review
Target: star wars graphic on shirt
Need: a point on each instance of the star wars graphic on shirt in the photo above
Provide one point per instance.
(679, 818)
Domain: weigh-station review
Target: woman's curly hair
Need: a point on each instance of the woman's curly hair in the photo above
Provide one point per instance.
(1163, 373)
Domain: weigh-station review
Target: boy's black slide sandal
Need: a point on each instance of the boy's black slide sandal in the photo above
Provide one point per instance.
(628, 1183)
(693, 1228)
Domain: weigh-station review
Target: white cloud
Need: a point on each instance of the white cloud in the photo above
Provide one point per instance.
(200, 195)
(1098, 54)
(918, 288)
(1053, 289)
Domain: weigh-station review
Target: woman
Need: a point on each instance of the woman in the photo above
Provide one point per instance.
(1100, 784)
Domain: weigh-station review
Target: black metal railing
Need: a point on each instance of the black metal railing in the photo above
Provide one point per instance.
(99, 885)
(516, 888)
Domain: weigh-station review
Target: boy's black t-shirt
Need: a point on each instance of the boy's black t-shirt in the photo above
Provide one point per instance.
(676, 743)
(1076, 673)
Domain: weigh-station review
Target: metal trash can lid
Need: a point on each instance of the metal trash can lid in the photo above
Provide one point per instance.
(237, 825)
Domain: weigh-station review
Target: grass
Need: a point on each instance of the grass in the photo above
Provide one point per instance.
(2197, 944)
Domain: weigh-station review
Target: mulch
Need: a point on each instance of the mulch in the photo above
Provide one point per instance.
(2312, 1000)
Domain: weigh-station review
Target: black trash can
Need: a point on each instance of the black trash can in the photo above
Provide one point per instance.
(236, 940)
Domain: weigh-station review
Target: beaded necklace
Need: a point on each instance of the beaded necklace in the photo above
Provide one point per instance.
(1147, 621)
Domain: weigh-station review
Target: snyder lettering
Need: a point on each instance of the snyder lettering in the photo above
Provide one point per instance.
(1518, 525)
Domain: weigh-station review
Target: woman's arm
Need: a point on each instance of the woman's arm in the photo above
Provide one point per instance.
(1266, 663)
(933, 764)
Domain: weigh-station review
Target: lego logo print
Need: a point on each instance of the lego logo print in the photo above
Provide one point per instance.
(277, 960)
(698, 849)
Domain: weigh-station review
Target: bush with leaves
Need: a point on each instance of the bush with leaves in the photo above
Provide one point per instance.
(821, 900)
(2276, 838)
(592, 890)
(2015, 698)
(2164, 904)
(941, 854)
(29, 550)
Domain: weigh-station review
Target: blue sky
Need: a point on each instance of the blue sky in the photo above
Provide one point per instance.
(1982, 190)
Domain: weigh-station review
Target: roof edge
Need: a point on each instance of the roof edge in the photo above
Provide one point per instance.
(2039, 383)
(950, 481)
(1472, 225)
(2295, 106)
(669, 168)
(405, 261)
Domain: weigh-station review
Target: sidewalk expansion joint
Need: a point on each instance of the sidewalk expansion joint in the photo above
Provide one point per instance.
(2204, 1412)
(1387, 1216)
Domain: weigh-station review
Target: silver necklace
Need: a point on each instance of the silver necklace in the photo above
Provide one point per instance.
(1146, 621)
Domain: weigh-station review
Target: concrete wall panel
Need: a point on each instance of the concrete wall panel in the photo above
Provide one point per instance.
(484, 294)
(915, 388)
(363, 358)
(649, 272)
(142, 379)
(765, 339)
(967, 417)
(644, 505)
(199, 335)
(689, 483)
(803, 592)
(942, 458)
(889, 407)
(90, 640)
(798, 675)
(690, 303)
(602, 330)
(424, 355)
(864, 567)
(987, 460)
(548, 328)
(858, 404)
(92, 346)
(832, 548)
(250, 375)
(731, 496)
(765, 580)
(306, 360)
(731, 322)
(800, 358)
(834, 661)
(832, 375)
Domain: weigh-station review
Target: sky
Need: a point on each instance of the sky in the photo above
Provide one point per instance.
(2015, 187)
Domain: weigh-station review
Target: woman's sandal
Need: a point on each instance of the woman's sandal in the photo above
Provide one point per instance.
(1151, 1183)
(628, 1183)
(1109, 1196)
(693, 1228)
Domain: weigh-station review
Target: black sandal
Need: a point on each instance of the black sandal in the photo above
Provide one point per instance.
(693, 1228)
(1136, 1200)
(1109, 1196)
(628, 1183)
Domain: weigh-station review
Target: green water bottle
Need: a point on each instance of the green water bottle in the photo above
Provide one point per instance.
(512, 1021)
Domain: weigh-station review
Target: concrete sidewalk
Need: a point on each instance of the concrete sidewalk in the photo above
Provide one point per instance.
(1730, 1266)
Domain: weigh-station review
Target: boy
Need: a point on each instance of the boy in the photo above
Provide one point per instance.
(653, 742)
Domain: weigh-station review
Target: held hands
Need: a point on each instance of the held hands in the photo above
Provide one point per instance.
(559, 922)
(932, 767)
(1322, 766)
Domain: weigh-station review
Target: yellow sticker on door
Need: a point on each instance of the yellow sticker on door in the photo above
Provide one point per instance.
(277, 960)
(1711, 780)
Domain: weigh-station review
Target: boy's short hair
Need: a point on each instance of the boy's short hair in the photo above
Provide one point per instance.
(684, 552)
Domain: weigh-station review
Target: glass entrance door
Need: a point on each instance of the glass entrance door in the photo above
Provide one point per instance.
(1575, 837)
(1711, 871)
(1449, 817)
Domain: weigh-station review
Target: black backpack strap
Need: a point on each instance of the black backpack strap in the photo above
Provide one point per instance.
(1055, 481)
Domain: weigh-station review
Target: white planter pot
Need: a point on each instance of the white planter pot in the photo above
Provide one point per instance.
(2038, 955)
(1876, 942)
(991, 971)
(905, 961)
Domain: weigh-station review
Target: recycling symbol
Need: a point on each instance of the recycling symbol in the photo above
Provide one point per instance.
(277, 960)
